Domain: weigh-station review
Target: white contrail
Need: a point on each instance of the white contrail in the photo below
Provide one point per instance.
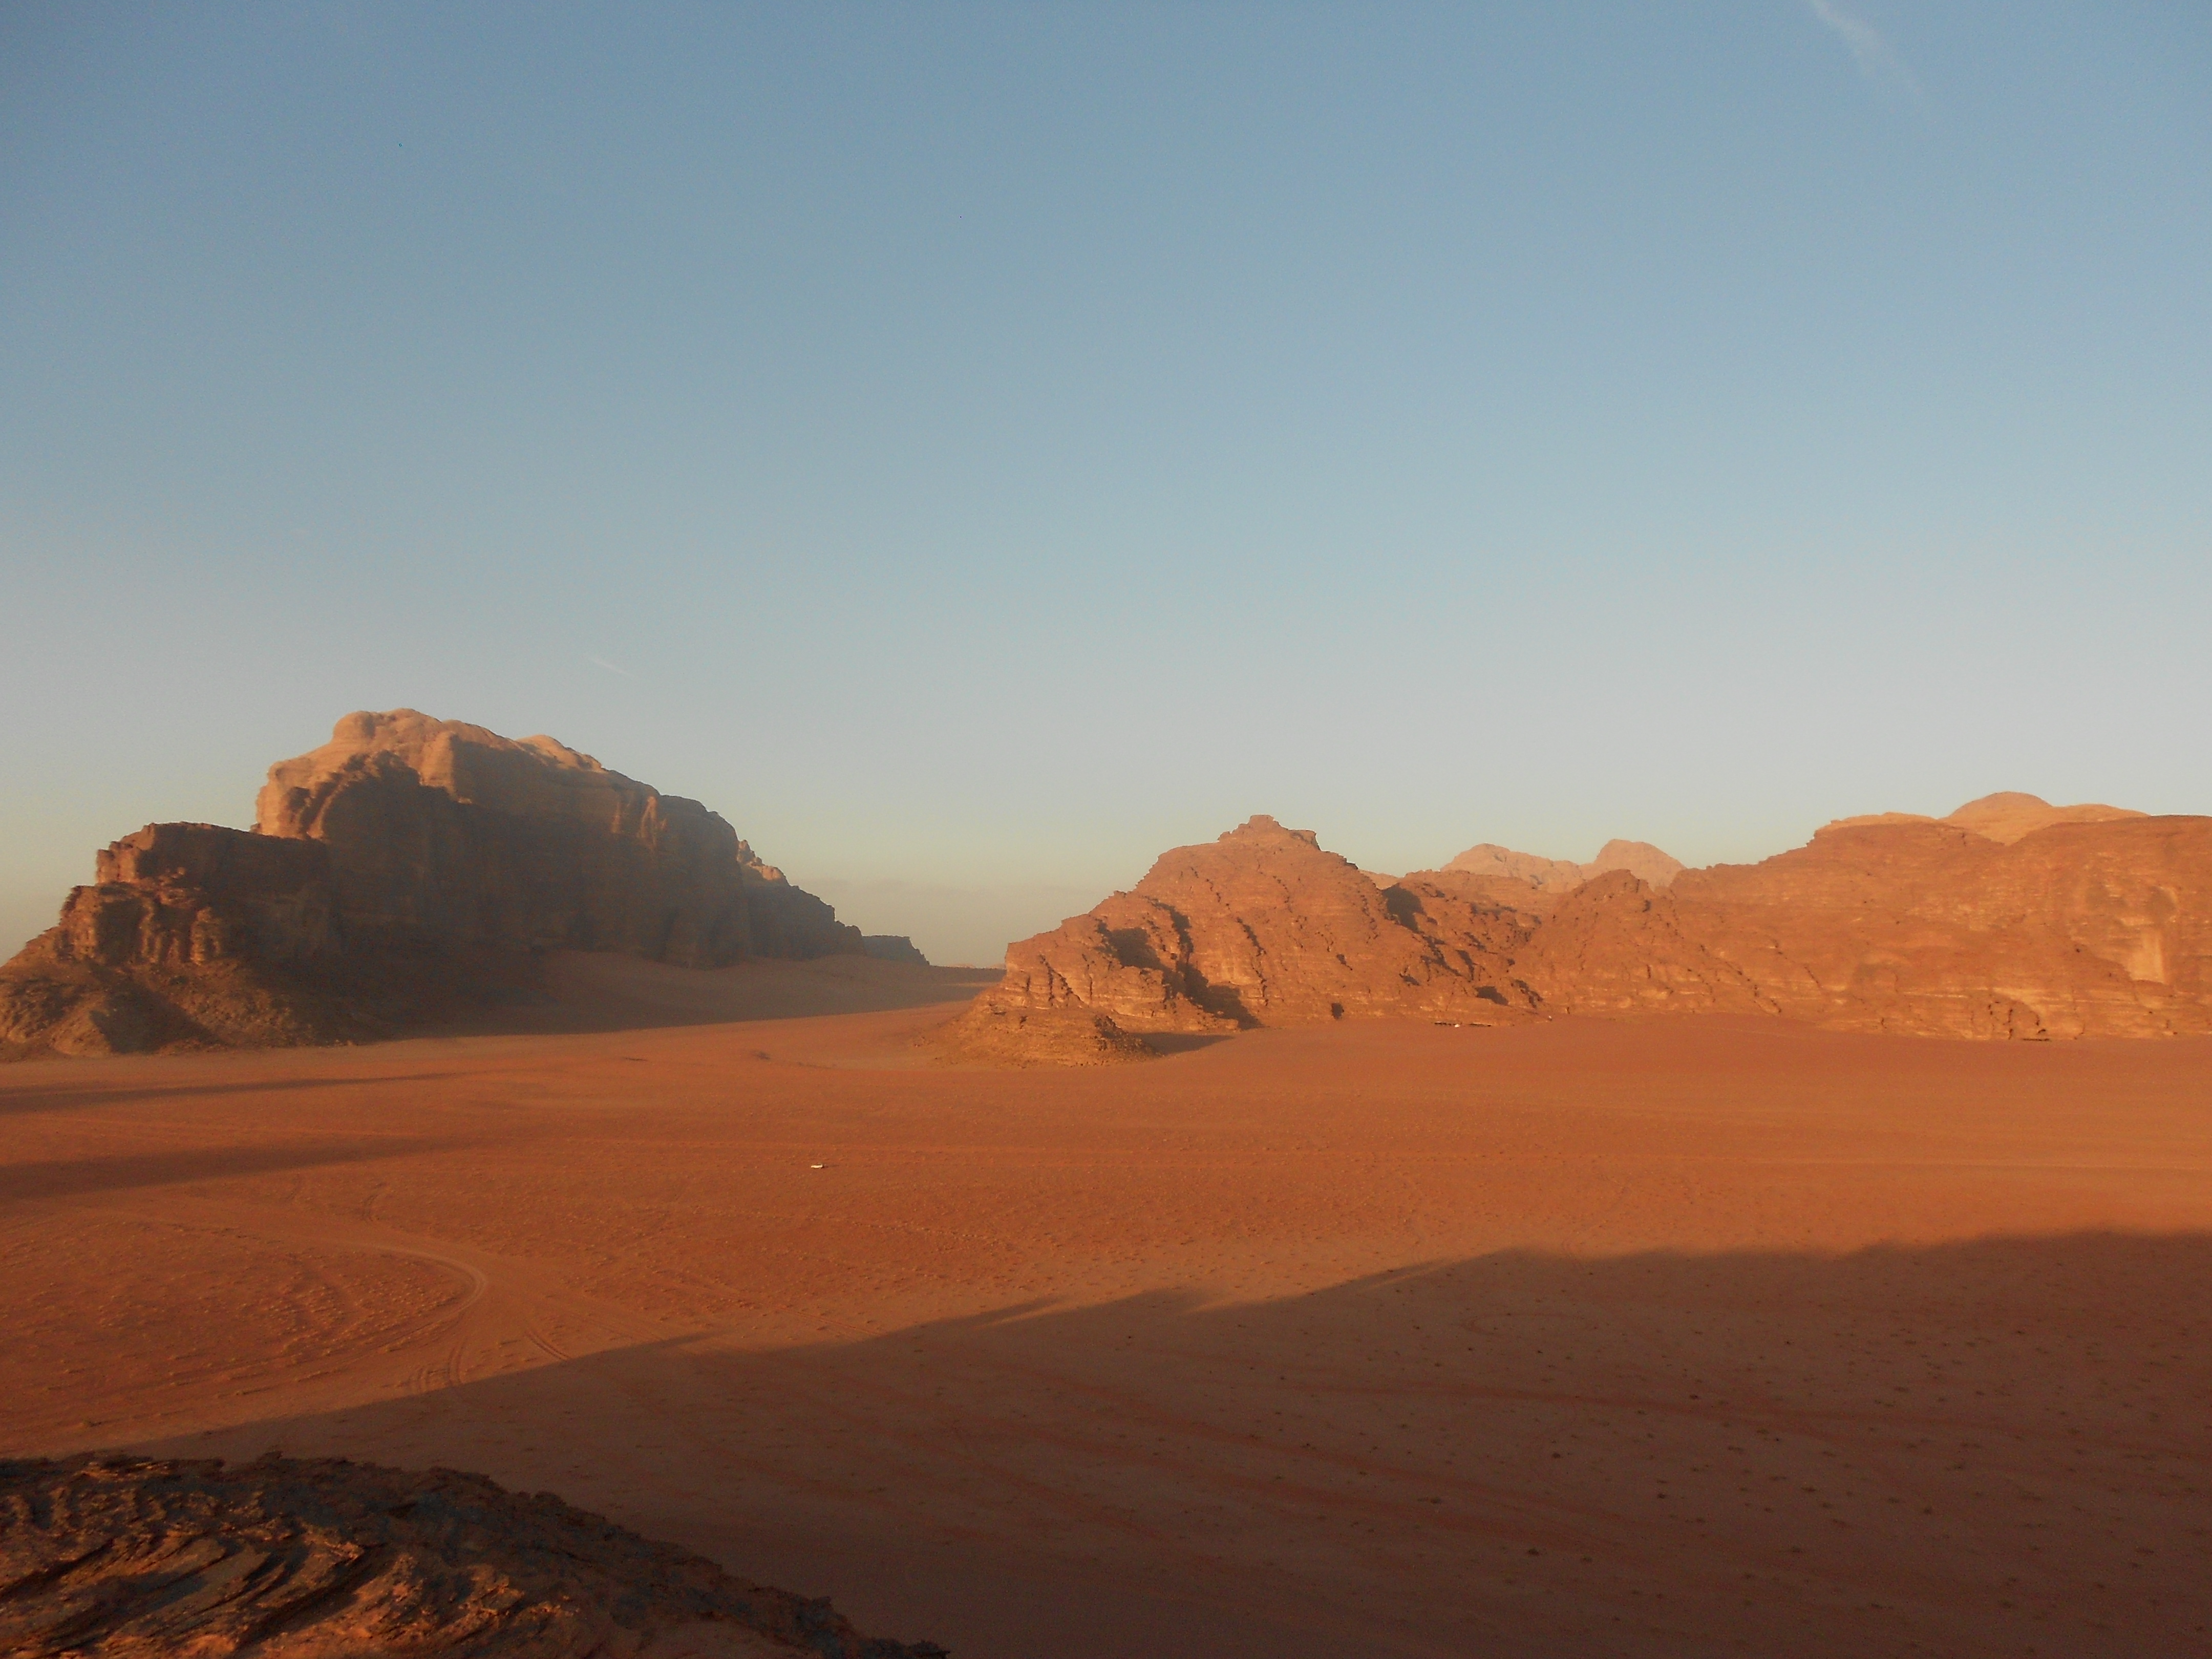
(1871, 52)
(601, 662)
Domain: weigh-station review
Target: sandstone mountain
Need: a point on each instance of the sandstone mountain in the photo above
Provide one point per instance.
(443, 830)
(324, 1559)
(2076, 926)
(407, 863)
(1639, 857)
(1488, 858)
(1261, 927)
(2097, 927)
(2004, 817)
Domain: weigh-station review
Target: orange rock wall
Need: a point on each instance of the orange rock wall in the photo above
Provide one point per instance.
(2090, 923)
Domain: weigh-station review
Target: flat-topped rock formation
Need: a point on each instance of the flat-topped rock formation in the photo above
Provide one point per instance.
(408, 864)
(2088, 922)
(439, 830)
(893, 947)
(325, 1558)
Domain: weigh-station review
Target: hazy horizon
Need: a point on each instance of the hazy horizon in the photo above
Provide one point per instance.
(975, 449)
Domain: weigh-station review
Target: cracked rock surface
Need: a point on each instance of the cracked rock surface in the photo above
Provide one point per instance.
(112, 1555)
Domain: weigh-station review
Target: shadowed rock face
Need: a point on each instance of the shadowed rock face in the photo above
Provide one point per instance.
(308, 1559)
(407, 862)
(442, 830)
(2092, 922)
(893, 947)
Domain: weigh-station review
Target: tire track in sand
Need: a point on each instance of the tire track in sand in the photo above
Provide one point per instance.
(504, 1315)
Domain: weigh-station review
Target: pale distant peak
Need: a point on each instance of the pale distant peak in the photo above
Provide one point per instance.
(2010, 814)
(2003, 817)
(1640, 858)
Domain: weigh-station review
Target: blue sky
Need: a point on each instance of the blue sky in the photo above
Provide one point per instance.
(974, 448)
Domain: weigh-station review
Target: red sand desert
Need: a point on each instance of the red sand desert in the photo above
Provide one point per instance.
(1672, 1336)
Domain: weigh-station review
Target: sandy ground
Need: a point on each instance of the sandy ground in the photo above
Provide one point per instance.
(1683, 1338)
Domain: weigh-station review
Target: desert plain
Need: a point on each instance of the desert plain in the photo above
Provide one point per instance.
(1670, 1336)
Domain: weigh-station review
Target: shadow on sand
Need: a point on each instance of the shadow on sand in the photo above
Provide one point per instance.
(69, 1092)
(1982, 1448)
(76, 1177)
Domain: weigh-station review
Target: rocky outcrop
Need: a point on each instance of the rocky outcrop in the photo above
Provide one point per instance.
(408, 864)
(330, 1559)
(1617, 945)
(438, 830)
(893, 947)
(2098, 927)
(1260, 927)
(2094, 922)
(996, 1033)
(192, 935)
(1639, 857)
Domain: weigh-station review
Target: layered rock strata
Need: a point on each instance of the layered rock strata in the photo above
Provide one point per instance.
(2088, 922)
(1261, 927)
(438, 830)
(329, 1560)
(408, 863)
(2079, 928)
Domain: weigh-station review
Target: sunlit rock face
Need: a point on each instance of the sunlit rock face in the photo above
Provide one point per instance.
(2009, 919)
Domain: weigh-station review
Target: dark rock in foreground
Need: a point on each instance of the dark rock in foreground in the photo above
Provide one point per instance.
(313, 1560)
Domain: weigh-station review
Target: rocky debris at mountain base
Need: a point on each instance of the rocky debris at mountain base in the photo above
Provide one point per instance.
(992, 1034)
(115, 1556)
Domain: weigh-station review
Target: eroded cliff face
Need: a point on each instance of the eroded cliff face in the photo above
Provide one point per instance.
(1261, 927)
(443, 830)
(2079, 928)
(408, 863)
(2087, 922)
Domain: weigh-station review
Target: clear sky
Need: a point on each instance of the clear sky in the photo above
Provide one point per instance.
(976, 447)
